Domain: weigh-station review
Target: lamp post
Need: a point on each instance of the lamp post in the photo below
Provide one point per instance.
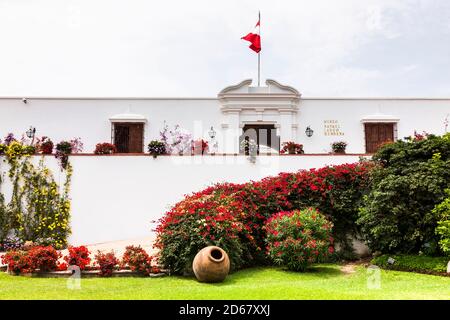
(31, 133)
(309, 132)
(212, 135)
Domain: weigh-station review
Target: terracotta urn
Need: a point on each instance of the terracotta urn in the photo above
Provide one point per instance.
(211, 264)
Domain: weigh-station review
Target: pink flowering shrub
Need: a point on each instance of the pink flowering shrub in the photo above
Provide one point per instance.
(298, 238)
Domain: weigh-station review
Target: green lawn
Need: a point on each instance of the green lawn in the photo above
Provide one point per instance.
(320, 282)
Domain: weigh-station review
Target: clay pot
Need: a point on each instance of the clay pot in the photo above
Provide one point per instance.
(211, 264)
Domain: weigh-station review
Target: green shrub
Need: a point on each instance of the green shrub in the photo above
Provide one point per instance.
(397, 213)
(298, 238)
(442, 211)
(413, 263)
(408, 152)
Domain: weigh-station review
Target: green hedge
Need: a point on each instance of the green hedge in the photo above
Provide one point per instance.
(420, 264)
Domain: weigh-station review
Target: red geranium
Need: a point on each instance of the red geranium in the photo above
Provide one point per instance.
(18, 262)
(78, 256)
(106, 262)
(137, 259)
(105, 148)
(44, 258)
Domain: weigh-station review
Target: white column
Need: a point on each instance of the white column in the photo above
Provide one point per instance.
(232, 132)
(286, 126)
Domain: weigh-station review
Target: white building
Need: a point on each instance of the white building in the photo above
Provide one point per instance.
(116, 197)
(278, 113)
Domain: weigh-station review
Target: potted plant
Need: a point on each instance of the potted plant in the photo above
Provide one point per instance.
(105, 148)
(65, 148)
(156, 148)
(292, 148)
(339, 146)
(45, 145)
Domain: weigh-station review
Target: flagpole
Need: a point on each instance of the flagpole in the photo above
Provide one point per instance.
(259, 53)
(259, 69)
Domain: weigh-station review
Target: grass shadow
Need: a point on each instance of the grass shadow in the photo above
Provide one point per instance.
(265, 273)
(324, 271)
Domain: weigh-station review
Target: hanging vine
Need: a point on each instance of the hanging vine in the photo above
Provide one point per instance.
(4, 217)
(39, 210)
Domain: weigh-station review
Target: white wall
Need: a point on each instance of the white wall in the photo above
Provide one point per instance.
(117, 197)
(63, 119)
(413, 114)
(88, 118)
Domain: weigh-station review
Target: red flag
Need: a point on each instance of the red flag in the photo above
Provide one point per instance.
(254, 38)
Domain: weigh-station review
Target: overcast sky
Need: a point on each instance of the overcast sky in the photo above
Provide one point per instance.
(193, 48)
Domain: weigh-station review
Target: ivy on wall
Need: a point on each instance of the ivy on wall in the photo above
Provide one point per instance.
(39, 210)
(4, 220)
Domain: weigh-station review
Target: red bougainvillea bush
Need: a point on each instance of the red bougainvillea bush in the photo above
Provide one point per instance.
(198, 220)
(298, 238)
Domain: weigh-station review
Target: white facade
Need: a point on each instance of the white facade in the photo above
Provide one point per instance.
(118, 197)
(332, 119)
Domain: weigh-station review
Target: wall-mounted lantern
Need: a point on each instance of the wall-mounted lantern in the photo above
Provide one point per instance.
(31, 132)
(309, 132)
(212, 133)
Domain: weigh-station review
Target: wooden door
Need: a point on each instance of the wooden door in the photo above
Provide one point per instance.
(136, 138)
(121, 137)
(129, 137)
(377, 134)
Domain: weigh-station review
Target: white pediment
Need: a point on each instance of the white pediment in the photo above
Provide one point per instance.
(272, 96)
(380, 118)
(128, 117)
(272, 87)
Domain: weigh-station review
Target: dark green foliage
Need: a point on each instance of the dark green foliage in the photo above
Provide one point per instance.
(407, 152)
(422, 264)
(397, 215)
(442, 212)
(156, 148)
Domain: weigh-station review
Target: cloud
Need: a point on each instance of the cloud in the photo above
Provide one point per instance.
(193, 48)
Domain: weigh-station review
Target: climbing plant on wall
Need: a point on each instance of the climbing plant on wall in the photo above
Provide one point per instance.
(39, 209)
(4, 220)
